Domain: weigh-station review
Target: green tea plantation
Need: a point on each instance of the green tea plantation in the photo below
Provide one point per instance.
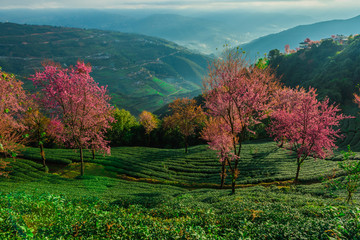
(149, 193)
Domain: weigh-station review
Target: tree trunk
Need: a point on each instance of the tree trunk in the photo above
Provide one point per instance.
(223, 174)
(233, 183)
(82, 162)
(93, 153)
(42, 154)
(297, 172)
(186, 145)
(235, 174)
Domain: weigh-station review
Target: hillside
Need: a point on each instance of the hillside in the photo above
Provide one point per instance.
(147, 193)
(201, 31)
(294, 36)
(331, 68)
(260, 163)
(142, 72)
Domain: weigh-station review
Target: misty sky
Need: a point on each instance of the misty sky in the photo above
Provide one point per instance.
(345, 8)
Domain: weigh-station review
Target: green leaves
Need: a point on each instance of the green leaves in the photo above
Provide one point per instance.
(351, 181)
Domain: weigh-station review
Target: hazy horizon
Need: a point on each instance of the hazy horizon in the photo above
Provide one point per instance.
(318, 9)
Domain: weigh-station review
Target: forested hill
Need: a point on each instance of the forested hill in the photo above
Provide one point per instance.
(141, 72)
(332, 68)
(294, 36)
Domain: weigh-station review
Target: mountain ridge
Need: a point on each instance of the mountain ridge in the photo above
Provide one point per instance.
(201, 31)
(293, 36)
(142, 72)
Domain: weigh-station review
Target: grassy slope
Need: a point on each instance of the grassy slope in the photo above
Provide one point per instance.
(64, 205)
(261, 161)
(127, 63)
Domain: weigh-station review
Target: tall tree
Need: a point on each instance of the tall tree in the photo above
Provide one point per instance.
(149, 122)
(186, 116)
(305, 125)
(12, 106)
(72, 96)
(241, 96)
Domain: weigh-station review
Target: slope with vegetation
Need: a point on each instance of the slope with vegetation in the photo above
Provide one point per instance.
(331, 68)
(142, 72)
(201, 31)
(140, 192)
(293, 36)
(99, 205)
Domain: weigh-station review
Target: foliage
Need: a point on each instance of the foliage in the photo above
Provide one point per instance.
(12, 106)
(39, 128)
(73, 96)
(149, 122)
(241, 96)
(262, 63)
(352, 173)
(305, 125)
(219, 140)
(186, 116)
(122, 130)
(50, 205)
(36, 125)
(331, 68)
(257, 213)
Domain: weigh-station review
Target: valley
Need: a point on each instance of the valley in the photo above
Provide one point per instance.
(149, 186)
(143, 73)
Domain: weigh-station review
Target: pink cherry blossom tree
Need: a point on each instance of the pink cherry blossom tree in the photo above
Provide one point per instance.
(305, 125)
(12, 107)
(72, 96)
(241, 96)
(220, 140)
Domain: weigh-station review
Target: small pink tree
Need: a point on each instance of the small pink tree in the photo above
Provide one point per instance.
(242, 97)
(220, 140)
(149, 122)
(72, 96)
(11, 141)
(305, 125)
(12, 106)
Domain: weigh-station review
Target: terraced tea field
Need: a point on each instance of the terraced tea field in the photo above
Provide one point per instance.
(148, 193)
(261, 161)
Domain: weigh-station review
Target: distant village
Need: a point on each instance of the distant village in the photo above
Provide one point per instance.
(308, 43)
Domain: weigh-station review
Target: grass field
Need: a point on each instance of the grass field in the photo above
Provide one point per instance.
(148, 193)
(261, 161)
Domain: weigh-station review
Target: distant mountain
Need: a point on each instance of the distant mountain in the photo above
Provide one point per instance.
(331, 68)
(143, 73)
(297, 34)
(200, 31)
